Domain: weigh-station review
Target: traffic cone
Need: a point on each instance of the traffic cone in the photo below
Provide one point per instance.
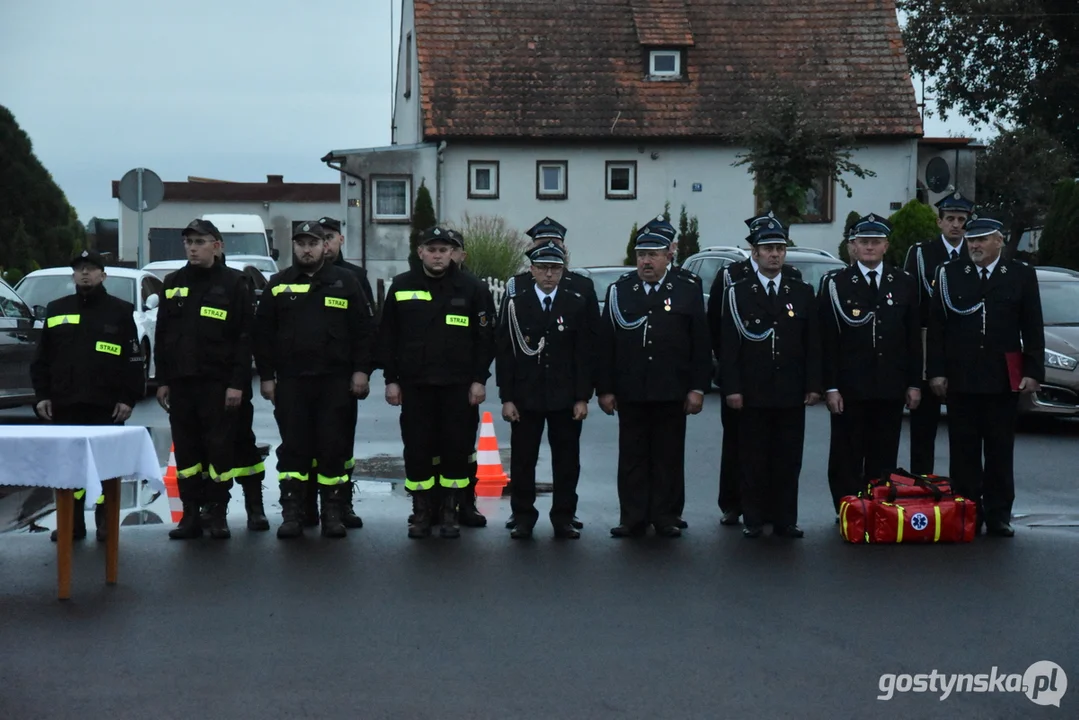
(490, 477)
(172, 488)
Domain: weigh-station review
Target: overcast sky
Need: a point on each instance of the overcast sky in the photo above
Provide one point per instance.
(227, 89)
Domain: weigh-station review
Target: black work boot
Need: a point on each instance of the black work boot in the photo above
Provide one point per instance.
(78, 527)
(333, 505)
(101, 523)
(467, 512)
(419, 526)
(310, 507)
(190, 525)
(449, 527)
(348, 515)
(292, 508)
(256, 513)
(218, 506)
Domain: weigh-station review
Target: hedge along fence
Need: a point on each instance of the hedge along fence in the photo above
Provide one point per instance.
(494, 249)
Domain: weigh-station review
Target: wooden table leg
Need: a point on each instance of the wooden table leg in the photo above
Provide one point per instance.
(65, 508)
(112, 515)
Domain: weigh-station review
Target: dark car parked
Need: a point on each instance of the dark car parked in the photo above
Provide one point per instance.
(19, 333)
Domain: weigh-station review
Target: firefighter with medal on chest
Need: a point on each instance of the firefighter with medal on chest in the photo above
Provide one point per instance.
(872, 343)
(770, 370)
(544, 372)
(922, 262)
(654, 365)
(986, 345)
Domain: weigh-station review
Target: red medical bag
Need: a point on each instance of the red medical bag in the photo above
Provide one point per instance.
(904, 508)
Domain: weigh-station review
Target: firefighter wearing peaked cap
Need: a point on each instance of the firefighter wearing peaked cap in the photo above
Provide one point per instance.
(436, 345)
(872, 345)
(730, 467)
(87, 368)
(986, 346)
(314, 342)
(922, 262)
(203, 355)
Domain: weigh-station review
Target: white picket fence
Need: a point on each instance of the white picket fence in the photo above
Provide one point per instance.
(498, 289)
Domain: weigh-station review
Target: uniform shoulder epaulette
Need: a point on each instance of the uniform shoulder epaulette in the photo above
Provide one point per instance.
(511, 287)
(626, 274)
(687, 276)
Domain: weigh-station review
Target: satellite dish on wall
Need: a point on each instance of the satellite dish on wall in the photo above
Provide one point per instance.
(938, 176)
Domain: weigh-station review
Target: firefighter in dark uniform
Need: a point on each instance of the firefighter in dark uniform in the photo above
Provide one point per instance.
(203, 357)
(986, 345)
(654, 366)
(548, 230)
(334, 256)
(87, 369)
(770, 371)
(836, 452)
(730, 467)
(544, 372)
(436, 345)
(872, 359)
(922, 262)
(313, 350)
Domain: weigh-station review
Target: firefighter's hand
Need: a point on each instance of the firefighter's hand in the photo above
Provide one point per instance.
(477, 394)
(939, 386)
(121, 413)
(812, 399)
(694, 402)
(834, 401)
(509, 412)
(580, 410)
(361, 385)
(608, 403)
(163, 397)
(44, 409)
(393, 394)
(1029, 385)
(268, 390)
(233, 397)
(734, 402)
(914, 398)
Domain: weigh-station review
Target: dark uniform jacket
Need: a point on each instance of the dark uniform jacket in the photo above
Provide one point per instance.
(922, 262)
(735, 272)
(872, 343)
(437, 331)
(361, 277)
(89, 352)
(781, 360)
(313, 325)
(970, 350)
(557, 375)
(654, 347)
(204, 326)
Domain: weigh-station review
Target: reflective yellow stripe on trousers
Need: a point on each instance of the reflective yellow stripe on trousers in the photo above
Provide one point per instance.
(339, 480)
(412, 485)
(453, 482)
(302, 477)
(189, 471)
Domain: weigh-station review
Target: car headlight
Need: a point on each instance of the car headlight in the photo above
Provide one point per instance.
(1059, 360)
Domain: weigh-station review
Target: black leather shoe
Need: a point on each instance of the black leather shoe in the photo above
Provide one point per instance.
(790, 531)
(731, 517)
(681, 524)
(520, 532)
(669, 531)
(577, 523)
(624, 531)
(511, 523)
(752, 531)
(999, 529)
(566, 532)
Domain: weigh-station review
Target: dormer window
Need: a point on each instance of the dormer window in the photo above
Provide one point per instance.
(665, 63)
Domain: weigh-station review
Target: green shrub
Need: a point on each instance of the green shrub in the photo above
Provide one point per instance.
(911, 224)
(1059, 244)
(494, 248)
(844, 246)
(423, 217)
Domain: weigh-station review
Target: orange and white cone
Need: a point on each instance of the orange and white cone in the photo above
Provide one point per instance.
(172, 488)
(490, 477)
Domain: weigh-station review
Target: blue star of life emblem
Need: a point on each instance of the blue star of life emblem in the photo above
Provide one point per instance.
(919, 521)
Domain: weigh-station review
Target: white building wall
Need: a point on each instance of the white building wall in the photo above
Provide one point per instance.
(276, 216)
(599, 228)
(407, 112)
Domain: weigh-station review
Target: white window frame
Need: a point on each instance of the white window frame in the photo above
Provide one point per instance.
(630, 194)
(654, 54)
(388, 217)
(562, 192)
(474, 193)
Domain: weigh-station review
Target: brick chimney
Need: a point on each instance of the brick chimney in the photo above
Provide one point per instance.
(275, 179)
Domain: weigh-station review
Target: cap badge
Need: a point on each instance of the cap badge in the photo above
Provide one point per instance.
(855, 312)
(306, 227)
(871, 218)
(437, 232)
(85, 253)
(957, 195)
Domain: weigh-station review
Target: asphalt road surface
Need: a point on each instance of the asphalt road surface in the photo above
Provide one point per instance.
(706, 626)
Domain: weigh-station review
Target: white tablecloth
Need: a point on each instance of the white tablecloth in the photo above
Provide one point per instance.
(76, 456)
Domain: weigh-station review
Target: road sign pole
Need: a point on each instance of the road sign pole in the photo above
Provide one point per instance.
(141, 251)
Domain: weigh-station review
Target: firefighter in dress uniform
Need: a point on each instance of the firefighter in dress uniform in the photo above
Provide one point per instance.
(770, 371)
(203, 356)
(872, 344)
(436, 345)
(548, 230)
(544, 372)
(87, 369)
(653, 368)
(922, 262)
(730, 467)
(986, 345)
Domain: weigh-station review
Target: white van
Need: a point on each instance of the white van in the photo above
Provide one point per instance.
(243, 235)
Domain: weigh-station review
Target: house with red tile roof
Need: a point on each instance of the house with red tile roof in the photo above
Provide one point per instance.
(597, 112)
